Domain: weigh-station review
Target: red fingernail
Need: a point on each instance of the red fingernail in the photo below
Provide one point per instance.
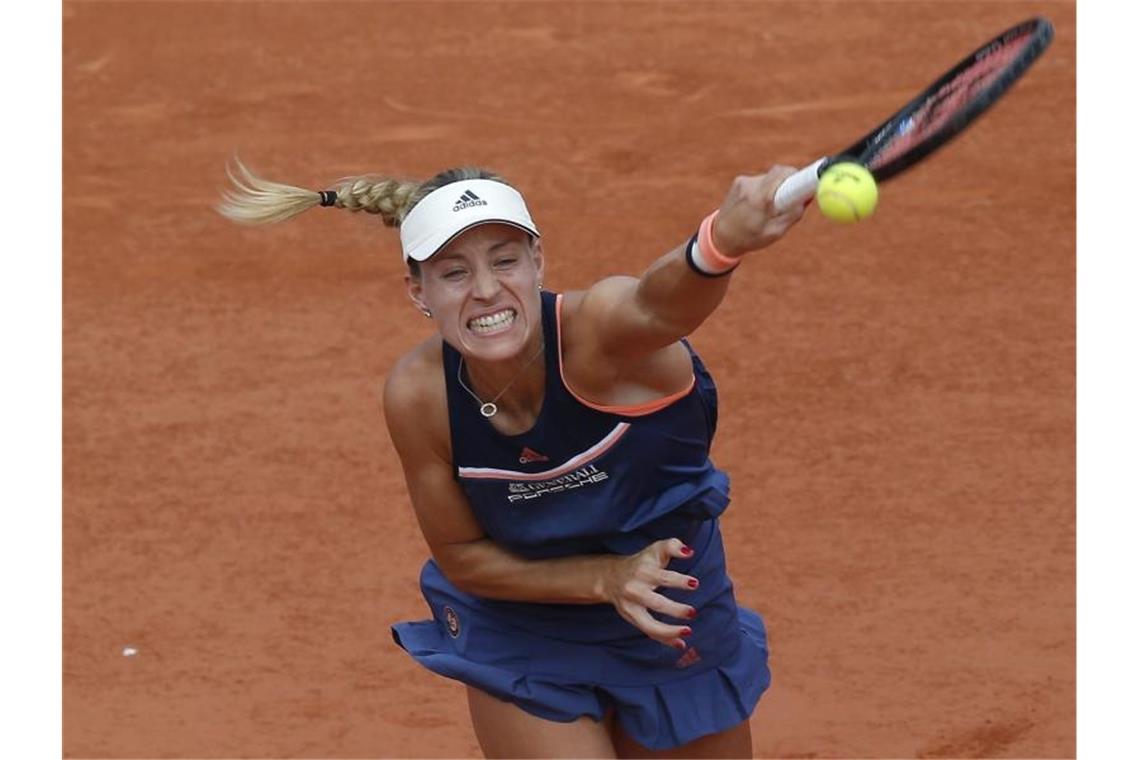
(686, 631)
(693, 583)
(692, 614)
(686, 551)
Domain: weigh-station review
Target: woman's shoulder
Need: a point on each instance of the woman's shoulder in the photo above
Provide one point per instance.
(607, 377)
(422, 360)
(415, 393)
(610, 290)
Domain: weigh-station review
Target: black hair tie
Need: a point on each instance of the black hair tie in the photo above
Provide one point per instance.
(328, 197)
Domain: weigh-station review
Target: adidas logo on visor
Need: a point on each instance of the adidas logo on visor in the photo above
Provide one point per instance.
(467, 200)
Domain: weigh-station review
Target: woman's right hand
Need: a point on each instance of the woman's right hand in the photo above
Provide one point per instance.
(631, 587)
(748, 219)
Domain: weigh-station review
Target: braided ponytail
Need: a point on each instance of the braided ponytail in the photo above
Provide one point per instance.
(377, 195)
(254, 200)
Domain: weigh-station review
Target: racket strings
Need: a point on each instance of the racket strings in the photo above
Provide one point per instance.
(947, 102)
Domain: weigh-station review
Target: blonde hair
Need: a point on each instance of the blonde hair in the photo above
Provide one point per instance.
(254, 200)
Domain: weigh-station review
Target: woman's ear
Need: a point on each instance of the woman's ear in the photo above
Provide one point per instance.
(539, 260)
(416, 293)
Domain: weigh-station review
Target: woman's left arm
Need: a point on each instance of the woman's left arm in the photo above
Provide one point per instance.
(624, 319)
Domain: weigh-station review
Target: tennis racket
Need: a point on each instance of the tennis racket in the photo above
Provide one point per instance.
(942, 111)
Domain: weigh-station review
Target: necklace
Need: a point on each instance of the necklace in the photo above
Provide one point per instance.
(488, 408)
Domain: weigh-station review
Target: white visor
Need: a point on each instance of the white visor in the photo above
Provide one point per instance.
(456, 207)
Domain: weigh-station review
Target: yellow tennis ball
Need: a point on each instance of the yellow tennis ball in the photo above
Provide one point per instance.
(847, 193)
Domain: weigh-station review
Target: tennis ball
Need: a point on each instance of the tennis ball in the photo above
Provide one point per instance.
(847, 193)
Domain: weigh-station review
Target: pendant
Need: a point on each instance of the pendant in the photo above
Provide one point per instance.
(488, 409)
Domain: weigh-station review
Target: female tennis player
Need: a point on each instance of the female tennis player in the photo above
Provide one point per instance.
(556, 452)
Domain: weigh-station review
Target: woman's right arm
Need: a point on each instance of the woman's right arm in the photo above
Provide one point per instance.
(415, 410)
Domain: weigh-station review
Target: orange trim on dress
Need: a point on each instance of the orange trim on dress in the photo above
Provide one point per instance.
(630, 410)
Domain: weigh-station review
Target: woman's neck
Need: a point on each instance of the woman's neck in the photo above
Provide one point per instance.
(515, 386)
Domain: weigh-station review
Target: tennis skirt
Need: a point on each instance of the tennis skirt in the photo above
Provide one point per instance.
(562, 662)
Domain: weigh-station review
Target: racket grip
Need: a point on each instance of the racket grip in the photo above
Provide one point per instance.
(799, 187)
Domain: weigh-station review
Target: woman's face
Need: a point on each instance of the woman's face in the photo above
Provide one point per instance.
(483, 291)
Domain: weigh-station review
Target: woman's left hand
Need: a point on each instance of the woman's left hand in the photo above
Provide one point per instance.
(631, 587)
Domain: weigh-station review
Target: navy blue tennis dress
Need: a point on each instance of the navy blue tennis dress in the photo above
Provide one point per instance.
(591, 480)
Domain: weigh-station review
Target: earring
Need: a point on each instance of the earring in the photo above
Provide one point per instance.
(540, 286)
(427, 313)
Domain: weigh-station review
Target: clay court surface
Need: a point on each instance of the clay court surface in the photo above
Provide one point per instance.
(897, 398)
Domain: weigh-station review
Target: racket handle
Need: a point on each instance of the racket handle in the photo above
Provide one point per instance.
(799, 187)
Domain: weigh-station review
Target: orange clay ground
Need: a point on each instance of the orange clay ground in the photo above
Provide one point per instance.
(897, 397)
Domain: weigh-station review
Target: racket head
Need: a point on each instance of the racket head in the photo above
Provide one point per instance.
(950, 104)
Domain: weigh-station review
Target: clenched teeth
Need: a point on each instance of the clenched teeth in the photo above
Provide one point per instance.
(492, 321)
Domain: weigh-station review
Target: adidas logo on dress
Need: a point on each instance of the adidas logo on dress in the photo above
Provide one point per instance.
(529, 455)
(467, 200)
(690, 657)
